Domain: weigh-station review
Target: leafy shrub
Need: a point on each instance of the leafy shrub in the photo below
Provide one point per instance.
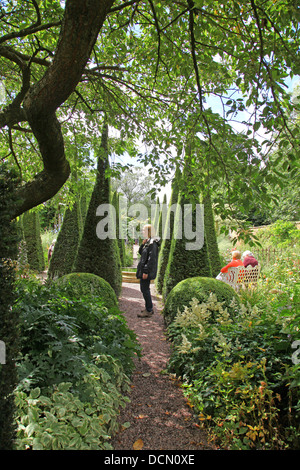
(76, 356)
(78, 285)
(238, 373)
(284, 233)
(63, 421)
(199, 288)
(59, 335)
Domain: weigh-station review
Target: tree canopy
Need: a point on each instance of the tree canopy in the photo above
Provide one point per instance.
(164, 74)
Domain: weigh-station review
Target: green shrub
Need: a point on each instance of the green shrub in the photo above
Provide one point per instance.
(167, 236)
(238, 372)
(284, 233)
(199, 288)
(78, 285)
(62, 421)
(58, 335)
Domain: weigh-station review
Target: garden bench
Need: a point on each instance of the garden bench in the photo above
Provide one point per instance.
(241, 276)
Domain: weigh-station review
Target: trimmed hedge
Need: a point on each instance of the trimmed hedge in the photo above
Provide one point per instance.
(32, 235)
(211, 238)
(183, 263)
(100, 256)
(199, 288)
(81, 284)
(166, 242)
(66, 247)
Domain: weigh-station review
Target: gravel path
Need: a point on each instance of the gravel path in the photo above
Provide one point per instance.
(159, 416)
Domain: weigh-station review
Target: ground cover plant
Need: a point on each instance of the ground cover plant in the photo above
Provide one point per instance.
(241, 372)
(74, 366)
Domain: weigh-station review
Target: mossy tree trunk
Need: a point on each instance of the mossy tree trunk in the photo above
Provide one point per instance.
(96, 255)
(9, 331)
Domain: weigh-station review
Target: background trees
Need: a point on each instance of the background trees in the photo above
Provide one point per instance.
(99, 253)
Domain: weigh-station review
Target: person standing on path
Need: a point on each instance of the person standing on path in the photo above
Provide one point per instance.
(147, 267)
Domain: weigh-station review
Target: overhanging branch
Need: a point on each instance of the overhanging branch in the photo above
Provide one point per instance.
(81, 25)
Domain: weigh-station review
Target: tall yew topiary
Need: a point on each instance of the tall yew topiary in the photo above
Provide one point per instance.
(9, 330)
(161, 220)
(184, 263)
(120, 240)
(32, 235)
(211, 237)
(96, 255)
(167, 236)
(67, 242)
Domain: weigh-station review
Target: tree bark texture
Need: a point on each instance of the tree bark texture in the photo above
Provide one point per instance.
(82, 22)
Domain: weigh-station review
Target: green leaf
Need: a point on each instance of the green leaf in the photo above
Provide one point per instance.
(256, 125)
(37, 444)
(35, 393)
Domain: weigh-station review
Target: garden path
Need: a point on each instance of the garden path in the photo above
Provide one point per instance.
(159, 416)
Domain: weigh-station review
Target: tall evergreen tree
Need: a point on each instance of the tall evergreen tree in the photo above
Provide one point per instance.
(184, 263)
(66, 246)
(167, 237)
(211, 237)
(32, 235)
(96, 255)
(120, 241)
(83, 211)
(161, 218)
(156, 214)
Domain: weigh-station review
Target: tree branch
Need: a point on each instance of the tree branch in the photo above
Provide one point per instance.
(80, 27)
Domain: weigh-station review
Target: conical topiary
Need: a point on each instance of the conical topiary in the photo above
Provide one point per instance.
(211, 237)
(161, 218)
(66, 246)
(120, 239)
(185, 263)
(167, 236)
(32, 235)
(99, 255)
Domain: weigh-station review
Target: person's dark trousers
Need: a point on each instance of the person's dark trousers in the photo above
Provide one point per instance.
(145, 289)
